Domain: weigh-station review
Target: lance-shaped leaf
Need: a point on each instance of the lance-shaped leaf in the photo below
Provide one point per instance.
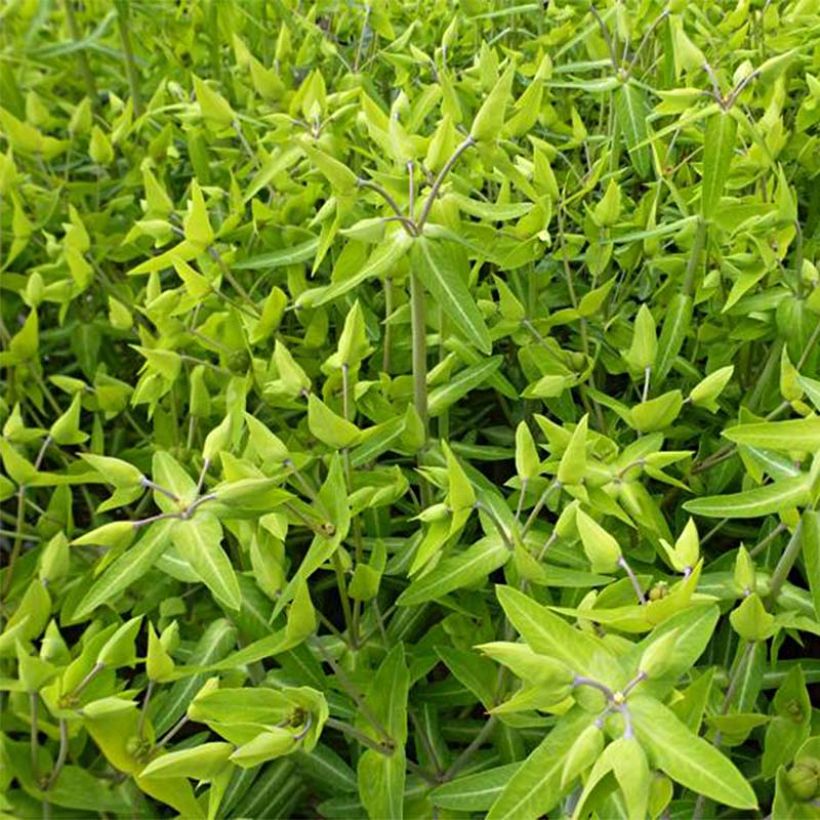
(198, 540)
(442, 267)
(474, 792)
(773, 498)
(548, 634)
(644, 347)
(330, 428)
(676, 323)
(115, 471)
(457, 571)
(66, 429)
(573, 462)
(446, 395)
(687, 758)
(795, 435)
(337, 173)
(527, 461)
(601, 548)
(216, 111)
(535, 789)
(202, 762)
(126, 569)
(381, 777)
(632, 113)
(718, 148)
(119, 649)
(381, 261)
(489, 119)
(460, 492)
(810, 532)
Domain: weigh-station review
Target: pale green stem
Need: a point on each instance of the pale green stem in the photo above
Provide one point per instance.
(419, 344)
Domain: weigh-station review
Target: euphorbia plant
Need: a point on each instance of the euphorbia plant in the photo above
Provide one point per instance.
(409, 416)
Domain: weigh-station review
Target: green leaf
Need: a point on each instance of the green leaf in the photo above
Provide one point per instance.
(446, 395)
(601, 548)
(687, 758)
(474, 792)
(381, 261)
(66, 429)
(292, 255)
(535, 788)
(489, 119)
(119, 649)
(457, 571)
(198, 230)
(644, 347)
(198, 540)
(632, 113)
(114, 470)
(329, 428)
(676, 323)
(527, 462)
(810, 533)
(442, 268)
(658, 413)
(706, 391)
(381, 777)
(171, 475)
(573, 462)
(718, 149)
(337, 173)
(215, 109)
(773, 498)
(547, 633)
(795, 435)
(203, 762)
(127, 569)
(751, 621)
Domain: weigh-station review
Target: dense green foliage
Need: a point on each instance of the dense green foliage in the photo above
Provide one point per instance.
(409, 409)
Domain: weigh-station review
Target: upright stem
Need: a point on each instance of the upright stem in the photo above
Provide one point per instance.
(356, 523)
(539, 505)
(18, 541)
(34, 699)
(82, 58)
(497, 524)
(144, 710)
(785, 564)
(347, 611)
(694, 258)
(62, 754)
(431, 197)
(388, 310)
(464, 758)
(419, 342)
(394, 206)
(622, 563)
(130, 64)
(734, 681)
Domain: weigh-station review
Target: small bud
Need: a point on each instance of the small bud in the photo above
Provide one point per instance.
(608, 209)
(583, 753)
(744, 572)
(119, 649)
(158, 663)
(435, 512)
(751, 621)
(658, 656)
(600, 547)
(803, 779)
(526, 453)
(540, 670)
